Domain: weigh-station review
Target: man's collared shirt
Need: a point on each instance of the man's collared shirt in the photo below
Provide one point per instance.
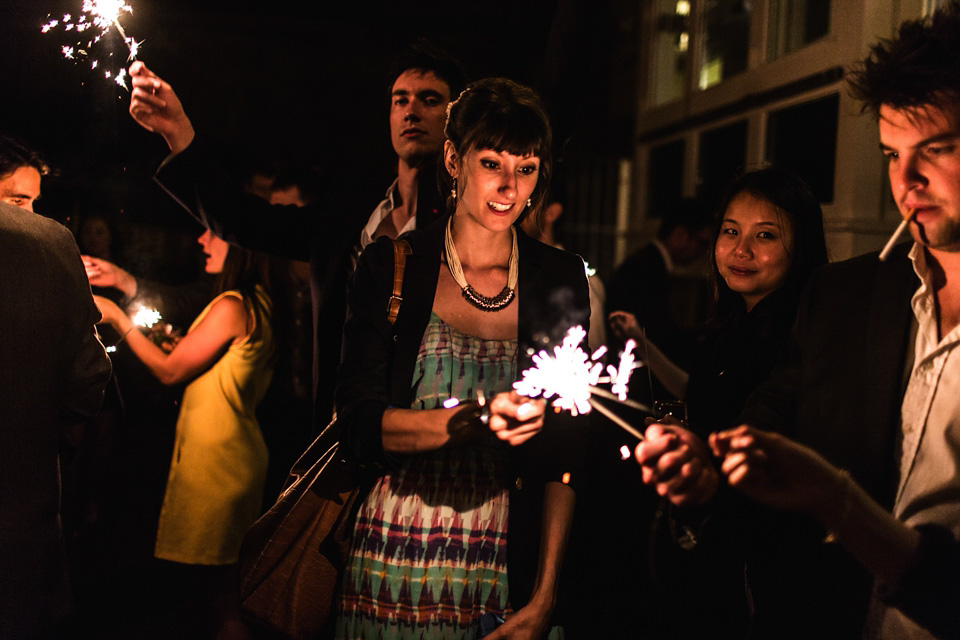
(929, 488)
(384, 209)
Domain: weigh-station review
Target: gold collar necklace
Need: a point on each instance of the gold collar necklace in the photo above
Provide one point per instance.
(482, 302)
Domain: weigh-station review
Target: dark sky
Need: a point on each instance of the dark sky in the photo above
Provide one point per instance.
(302, 81)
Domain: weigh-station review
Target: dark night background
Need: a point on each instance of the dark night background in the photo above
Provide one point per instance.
(295, 82)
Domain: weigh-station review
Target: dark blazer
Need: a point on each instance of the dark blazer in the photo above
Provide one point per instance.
(323, 233)
(839, 390)
(53, 370)
(379, 359)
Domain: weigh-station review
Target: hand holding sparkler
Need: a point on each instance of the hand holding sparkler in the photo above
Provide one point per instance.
(678, 464)
(112, 314)
(156, 107)
(514, 418)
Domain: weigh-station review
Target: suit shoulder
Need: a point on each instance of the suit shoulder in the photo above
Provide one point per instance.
(865, 268)
(33, 231)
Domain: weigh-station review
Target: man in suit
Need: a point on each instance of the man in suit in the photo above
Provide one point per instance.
(53, 370)
(867, 391)
(424, 81)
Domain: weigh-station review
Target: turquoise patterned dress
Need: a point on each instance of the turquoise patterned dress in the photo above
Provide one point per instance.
(429, 552)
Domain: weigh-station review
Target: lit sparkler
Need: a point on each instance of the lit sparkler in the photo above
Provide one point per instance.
(145, 317)
(571, 376)
(96, 19)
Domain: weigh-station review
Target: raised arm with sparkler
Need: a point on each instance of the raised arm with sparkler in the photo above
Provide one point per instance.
(156, 107)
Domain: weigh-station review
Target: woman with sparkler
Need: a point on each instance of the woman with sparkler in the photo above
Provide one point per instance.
(768, 241)
(215, 484)
(430, 556)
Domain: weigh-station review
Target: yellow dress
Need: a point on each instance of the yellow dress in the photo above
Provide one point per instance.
(215, 487)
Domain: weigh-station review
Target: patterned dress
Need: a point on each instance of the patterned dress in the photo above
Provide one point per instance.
(429, 552)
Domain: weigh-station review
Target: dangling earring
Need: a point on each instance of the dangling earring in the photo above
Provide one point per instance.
(529, 203)
(453, 192)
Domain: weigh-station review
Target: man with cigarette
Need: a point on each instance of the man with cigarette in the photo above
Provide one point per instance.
(869, 387)
(423, 82)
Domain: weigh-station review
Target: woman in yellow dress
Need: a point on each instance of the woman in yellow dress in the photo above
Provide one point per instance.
(215, 486)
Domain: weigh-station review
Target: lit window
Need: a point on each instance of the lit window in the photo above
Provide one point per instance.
(726, 39)
(670, 44)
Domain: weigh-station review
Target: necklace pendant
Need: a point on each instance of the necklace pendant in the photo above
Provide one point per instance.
(485, 303)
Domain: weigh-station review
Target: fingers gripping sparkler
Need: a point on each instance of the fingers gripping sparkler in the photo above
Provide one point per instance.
(143, 317)
(570, 377)
(96, 17)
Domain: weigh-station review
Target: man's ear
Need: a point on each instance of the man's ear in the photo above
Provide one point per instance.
(450, 159)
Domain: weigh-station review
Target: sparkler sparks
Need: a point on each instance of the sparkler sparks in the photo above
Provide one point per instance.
(570, 375)
(99, 16)
(145, 317)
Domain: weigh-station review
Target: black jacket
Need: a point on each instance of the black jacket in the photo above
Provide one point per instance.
(378, 362)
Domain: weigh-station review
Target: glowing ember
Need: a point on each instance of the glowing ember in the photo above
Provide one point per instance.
(570, 374)
(96, 19)
(146, 317)
(624, 452)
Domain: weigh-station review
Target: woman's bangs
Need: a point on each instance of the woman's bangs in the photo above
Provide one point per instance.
(519, 133)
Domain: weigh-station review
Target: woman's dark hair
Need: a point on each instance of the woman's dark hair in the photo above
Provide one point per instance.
(797, 208)
(499, 114)
(242, 271)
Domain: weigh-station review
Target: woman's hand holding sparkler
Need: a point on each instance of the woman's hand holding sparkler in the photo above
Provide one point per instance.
(678, 464)
(113, 315)
(155, 106)
(515, 418)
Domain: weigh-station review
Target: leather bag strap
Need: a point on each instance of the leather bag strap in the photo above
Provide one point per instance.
(401, 249)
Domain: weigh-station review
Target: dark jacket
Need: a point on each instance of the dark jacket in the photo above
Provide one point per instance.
(53, 370)
(378, 363)
(839, 390)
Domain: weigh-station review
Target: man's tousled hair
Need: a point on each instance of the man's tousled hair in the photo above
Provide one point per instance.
(921, 66)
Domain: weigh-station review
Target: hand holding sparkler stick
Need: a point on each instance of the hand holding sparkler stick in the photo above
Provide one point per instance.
(156, 107)
(678, 464)
(119, 320)
(514, 418)
(896, 234)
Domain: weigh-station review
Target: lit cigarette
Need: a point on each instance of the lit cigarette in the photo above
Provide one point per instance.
(896, 234)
